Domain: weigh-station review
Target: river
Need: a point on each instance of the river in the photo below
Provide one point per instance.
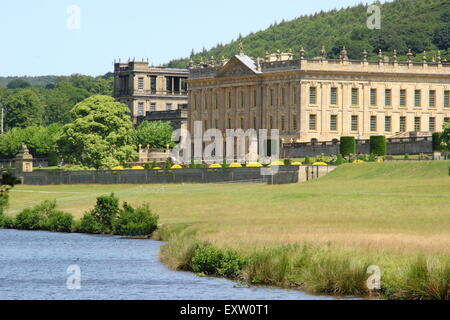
(34, 266)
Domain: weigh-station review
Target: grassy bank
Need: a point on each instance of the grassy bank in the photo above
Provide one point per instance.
(394, 215)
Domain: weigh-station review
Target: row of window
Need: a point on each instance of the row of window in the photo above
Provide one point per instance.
(387, 97)
(141, 111)
(283, 123)
(354, 123)
(176, 84)
(355, 98)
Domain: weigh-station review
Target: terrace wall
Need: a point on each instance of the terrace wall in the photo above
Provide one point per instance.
(286, 174)
(395, 146)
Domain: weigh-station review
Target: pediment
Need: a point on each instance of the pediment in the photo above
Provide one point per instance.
(237, 66)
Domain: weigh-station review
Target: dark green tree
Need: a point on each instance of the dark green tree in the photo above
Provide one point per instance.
(100, 136)
(154, 133)
(18, 84)
(24, 109)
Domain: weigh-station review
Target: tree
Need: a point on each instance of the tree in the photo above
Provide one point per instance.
(7, 181)
(155, 133)
(441, 37)
(24, 108)
(100, 136)
(59, 102)
(40, 140)
(18, 84)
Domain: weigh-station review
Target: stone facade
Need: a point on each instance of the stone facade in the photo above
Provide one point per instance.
(320, 99)
(146, 89)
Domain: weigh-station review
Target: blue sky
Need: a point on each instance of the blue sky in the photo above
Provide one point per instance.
(36, 39)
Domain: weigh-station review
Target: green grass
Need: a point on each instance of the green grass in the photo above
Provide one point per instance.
(385, 214)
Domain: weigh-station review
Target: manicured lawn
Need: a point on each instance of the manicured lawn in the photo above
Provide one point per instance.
(392, 207)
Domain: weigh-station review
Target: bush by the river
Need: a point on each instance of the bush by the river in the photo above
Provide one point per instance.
(58, 221)
(105, 211)
(107, 218)
(104, 218)
(135, 221)
(214, 261)
(89, 224)
(43, 217)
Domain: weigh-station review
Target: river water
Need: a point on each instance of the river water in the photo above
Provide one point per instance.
(34, 265)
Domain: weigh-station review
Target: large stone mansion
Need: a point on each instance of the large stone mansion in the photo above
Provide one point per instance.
(152, 93)
(320, 99)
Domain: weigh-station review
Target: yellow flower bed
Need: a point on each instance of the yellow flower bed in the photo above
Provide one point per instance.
(137, 168)
(235, 165)
(296, 163)
(254, 165)
(277, 163)
(319, 164)
(157, 168)
(380, 160)
(215, 166)
(117, 168)
(358, 161)
(177, 166)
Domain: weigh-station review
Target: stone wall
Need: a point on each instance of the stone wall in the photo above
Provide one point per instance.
(398, 146)
(285, 174)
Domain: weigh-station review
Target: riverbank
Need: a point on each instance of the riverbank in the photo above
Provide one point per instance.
(392, 215)
(112, 268)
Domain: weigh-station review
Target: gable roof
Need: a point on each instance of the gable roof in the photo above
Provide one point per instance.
(241, 63)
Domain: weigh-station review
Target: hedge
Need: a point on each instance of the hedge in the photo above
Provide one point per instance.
(378, 145)
(348, 146)
(437, 141)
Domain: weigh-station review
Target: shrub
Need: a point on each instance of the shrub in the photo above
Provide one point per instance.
(44, 217)
(224, 163)
(307, 160)
(372, 158)
(7, 222)
(135, 222)
(53, 160)
(287, 162)
(406, 157)
(347, 146)
(105, 211)
(30, 219)
(437, 141)
(35, 218)
(59, 221)
(211, 260)
(168, 164)
(89, 224)
(378, 145)
(3, 202)
(339, 160)
(154, 164)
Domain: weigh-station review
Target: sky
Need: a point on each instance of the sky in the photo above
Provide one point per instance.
(59, 37)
